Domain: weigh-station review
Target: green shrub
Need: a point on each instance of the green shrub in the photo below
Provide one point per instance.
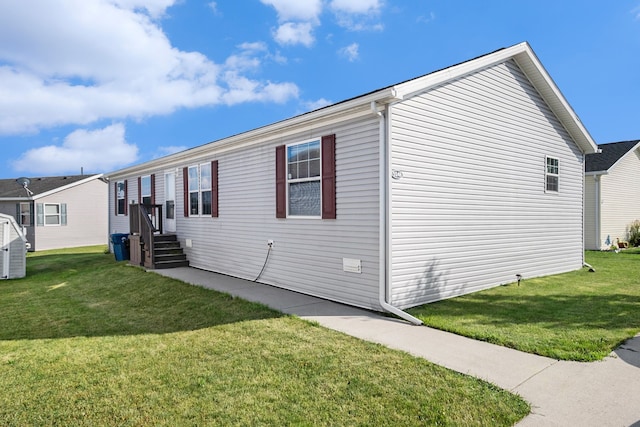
(634, 233)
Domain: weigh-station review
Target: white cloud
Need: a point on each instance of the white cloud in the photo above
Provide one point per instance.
(426, 18)
(297, 20)
(296, 10)
(98, 150)
(358, 15)
(213, 6)
(155, 8)
(319, 103)
(350, 52)
(292, 33)
(170, 149)
(363, 7)
(76, 69)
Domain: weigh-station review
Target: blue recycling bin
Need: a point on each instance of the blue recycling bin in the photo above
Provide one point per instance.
(120, 242)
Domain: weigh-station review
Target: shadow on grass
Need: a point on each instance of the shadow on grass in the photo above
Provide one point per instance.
(89, 294)
(610, 311)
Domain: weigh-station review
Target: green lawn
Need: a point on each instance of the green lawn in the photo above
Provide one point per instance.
(574, 316)
(88, 341)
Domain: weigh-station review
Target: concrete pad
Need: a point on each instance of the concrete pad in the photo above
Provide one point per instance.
(605, 393)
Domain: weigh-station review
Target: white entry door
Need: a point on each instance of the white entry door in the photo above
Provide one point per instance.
(170, 201)
(6, 256)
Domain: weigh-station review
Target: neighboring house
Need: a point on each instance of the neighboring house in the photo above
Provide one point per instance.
(58, 212)
(446, 184)
(13, 255)
(612, 193)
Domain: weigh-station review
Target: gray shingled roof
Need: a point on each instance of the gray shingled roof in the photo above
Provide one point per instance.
(9, 188)
(610, 154)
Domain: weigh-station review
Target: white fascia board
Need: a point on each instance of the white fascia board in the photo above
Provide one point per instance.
(65, 187)
(15, 199)
(596, 173)
(343, 111)
(424, 83)
(535, 72)
(542, 81)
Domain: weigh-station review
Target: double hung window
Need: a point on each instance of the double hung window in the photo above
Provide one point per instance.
(145, 190)
(51, 214)
(552, 172)
(306, 179)
(24, 215)
(199, 188)
(121, 198)
(303, 179)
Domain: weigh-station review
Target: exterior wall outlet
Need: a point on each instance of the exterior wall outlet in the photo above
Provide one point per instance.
(270, 242)
(188, 243)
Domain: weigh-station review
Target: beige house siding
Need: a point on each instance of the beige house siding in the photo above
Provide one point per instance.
(620, 197)
(87, 217)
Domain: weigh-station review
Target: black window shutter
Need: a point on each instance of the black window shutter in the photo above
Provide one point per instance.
(329, 177)
(139, 190)
(281, 182)
(185, 190)
(126, 197)
(115, 195)
(214, 188)
(153, 188)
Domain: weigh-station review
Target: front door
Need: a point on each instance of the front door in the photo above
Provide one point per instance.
(5, 256)
(170, 201)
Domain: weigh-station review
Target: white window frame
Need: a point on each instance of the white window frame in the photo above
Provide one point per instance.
(548, 173)
(58, 215)
(205, 189)
(143, 195)
(118, 198)
(200, 189)
(294, 180)
(22, 214)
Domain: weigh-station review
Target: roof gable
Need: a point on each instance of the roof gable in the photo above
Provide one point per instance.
(609, 155)
(39, 186)
(368, 103)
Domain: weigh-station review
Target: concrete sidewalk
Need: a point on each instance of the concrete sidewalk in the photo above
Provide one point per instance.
(605, 393)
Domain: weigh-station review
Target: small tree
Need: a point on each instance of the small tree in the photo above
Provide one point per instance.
(634, 233)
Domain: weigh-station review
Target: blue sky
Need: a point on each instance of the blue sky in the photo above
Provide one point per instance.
(103, 84)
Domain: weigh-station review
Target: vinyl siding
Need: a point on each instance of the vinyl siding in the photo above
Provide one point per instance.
(17, 249)
(620, 199)
(86, 217)
(9, 208)
(120, 223)
(591, 214)
(307, 253)
(470, 211)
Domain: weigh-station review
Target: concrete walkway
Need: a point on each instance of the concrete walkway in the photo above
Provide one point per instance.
(605, 393)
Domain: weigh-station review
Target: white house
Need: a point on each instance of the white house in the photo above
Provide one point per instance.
(442, 185)
(58, 211)
(612, 193)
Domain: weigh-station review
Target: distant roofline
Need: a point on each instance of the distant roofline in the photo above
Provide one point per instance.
(631, 149)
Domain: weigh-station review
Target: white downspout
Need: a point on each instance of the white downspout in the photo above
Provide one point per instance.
(383, 249)
(597, 212)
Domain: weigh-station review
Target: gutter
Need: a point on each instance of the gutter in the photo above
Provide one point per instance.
(383, 249)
